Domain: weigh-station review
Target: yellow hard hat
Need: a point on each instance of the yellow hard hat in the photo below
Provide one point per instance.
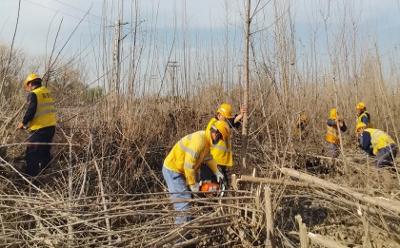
(223, 128)
(225, 110)
(360, 106)
(360, 125)
(333, 114)
(30, 77)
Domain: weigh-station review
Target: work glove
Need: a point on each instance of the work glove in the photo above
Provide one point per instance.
(194, 188)
(219, 176)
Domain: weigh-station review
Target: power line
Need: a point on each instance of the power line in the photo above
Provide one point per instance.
(59, 11)
(83, 11)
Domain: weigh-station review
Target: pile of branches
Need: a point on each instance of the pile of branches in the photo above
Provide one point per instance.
(32, 217)
(355, 205)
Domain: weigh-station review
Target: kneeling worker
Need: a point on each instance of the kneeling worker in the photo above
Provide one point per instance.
(182, 164)
(377, 143)
(40, 119)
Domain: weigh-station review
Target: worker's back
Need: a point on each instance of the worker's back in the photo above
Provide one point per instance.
(45, 115)
(192, 145)
(379, 139)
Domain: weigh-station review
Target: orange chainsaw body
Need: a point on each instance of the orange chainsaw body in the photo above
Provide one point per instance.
(209, 187)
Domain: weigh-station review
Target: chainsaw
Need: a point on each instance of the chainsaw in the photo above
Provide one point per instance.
(212, 189)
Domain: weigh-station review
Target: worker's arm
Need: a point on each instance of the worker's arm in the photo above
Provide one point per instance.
(365, 119)
(236, 121)
(365, 142)
(31, 110)
(214, 168)
(190, 173)
(233, 123)
(211, 163)
(342, 124)
(331, 123)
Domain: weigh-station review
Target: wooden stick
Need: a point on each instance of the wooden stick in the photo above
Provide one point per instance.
(324, 241)
(304, 241)
(268, 217)
(366, 240)
(286, 182)
(234, 182)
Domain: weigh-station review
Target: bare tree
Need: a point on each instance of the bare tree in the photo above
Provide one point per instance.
(246, 80)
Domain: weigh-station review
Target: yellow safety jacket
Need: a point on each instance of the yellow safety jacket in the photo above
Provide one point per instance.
(379, 139)
(222, 151)
(188, 154)
(359, 118)
(45, 115)
(332, 135)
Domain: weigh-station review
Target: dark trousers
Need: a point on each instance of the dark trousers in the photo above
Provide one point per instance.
(37, 156)
(386, 156)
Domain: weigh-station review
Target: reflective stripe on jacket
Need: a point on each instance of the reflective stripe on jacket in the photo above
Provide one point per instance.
(188, 154)
(45, 115)
(222, 151)
(379, 139)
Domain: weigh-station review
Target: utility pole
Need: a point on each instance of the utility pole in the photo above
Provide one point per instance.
(174, 87)
(116, 69)
(246, 81)
(115, 82)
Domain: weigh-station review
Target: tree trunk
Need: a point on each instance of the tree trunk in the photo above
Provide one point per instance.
(246, 82)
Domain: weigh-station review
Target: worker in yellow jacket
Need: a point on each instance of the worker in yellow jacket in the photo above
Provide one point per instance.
(225, 113)
(40, 120)
(183, 162)
(222, 151)
(363, 115)
(377, 143)
(334, 125)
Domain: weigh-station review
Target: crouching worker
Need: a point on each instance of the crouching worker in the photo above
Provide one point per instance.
(182, 165)
(377, 143)
(40, 120)
(334, 125)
